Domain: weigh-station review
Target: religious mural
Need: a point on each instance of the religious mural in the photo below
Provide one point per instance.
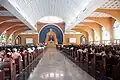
(51, 36)
(51, 32)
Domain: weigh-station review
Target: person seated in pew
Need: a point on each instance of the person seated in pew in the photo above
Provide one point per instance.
(30, 50)
(22, 53)
(2, 53)
(1, 56)
(85, 50)
(97, 52)
(103, 52)
(16, 54)
(80, 50)
(117, 50)
(8, 58)
(33, 48)
(1, 59)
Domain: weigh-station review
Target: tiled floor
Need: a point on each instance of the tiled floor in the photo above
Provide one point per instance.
(55, 66)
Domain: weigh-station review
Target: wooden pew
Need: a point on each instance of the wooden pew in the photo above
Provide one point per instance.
(2, 71)
(111, 64)
(24, 58)
(91, 64)
(98, 66)
(9, 70)
(19, 66)
(116, 72)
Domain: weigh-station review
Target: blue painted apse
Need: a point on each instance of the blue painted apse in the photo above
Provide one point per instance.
(46, 29)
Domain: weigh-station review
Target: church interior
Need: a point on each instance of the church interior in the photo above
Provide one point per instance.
(59, 39)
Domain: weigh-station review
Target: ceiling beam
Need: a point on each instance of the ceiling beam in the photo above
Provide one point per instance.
(18, 14)
(6, 18)
(11, 31)
(113, 12)
(7, 25)
(3, 9)
(87, 29)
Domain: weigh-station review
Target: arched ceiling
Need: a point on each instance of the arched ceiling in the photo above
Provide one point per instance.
(8, 21)
(71, 11)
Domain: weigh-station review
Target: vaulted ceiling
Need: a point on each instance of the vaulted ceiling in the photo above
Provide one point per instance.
(9, 24)
(71, 11)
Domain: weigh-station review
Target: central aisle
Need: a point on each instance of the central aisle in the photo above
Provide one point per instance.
(55, 66)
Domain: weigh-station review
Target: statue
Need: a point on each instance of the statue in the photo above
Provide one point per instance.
(51, 37)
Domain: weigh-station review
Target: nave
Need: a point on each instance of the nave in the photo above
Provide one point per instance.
(55, 66)
(86, 34)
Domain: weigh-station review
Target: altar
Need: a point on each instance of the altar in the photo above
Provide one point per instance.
(51, 39)
(51, 44)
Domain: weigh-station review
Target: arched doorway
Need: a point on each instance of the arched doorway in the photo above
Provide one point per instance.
(83, 40)
(18, 40)
(46, 29)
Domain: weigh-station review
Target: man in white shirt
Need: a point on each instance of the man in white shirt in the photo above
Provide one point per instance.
(16, 54)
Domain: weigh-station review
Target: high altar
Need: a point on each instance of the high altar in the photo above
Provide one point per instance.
(51, 39)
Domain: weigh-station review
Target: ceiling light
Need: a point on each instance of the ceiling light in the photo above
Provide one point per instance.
(50, 19)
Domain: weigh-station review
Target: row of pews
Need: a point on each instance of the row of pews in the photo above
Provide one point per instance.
(15, 60)
(100, 61)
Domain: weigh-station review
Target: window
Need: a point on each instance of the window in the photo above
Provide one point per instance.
(29, 40)
(117, 30)
(72, 40)
(105, 34)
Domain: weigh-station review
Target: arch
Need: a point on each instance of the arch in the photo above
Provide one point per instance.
(98, 20)
(101, 25)
(7, 25)
(106, 14)
(6, 18)
(10, 27)
(93, 25)
(97, 29)
(19, 29)
(51, 24)
(14, 26)
(106, 23)
(11, 31)
(87, 29)
(113, 12)
(17, 33)
(45, 29)
(83, 32)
